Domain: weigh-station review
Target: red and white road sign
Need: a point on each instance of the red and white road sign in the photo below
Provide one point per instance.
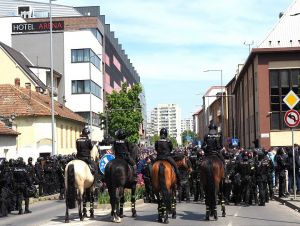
(292, 118)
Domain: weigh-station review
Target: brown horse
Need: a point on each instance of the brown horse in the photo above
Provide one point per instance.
(212, 175)
(164, 187)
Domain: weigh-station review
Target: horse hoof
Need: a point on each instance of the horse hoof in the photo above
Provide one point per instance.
(67, 221)
(223, 214)
(121, 215)
(166, 221)
(207, 218)
(134, 214)
(81, 218)
(174, 216)
(160, 220)
(92, 216)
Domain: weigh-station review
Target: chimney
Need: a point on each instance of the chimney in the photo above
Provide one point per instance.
(28, 85)
(17, 82)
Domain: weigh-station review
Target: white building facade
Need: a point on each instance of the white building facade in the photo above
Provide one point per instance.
(187, 125)
(167, 116)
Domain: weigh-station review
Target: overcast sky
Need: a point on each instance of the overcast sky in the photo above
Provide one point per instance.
(171, 42)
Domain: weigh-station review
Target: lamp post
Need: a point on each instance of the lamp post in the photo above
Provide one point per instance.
(222, 103)
(51, 77)
(90, 76)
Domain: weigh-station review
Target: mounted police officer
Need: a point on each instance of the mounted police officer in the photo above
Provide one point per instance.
(212, 143)
(163, 148)
(122, 150)
(84, 146)
(22, 183)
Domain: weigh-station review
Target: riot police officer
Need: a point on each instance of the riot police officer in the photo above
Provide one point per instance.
(22, 183)
(163, 148)
(122, 150)
(147, 173)
(262, 176)
(212, 143)
(281, 167)
(39, 172)
(84, 146)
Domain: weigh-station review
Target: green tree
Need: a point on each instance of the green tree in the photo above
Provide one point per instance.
(123, 111)
(185, 134)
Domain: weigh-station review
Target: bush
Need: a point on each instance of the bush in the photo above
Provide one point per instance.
(139, 194)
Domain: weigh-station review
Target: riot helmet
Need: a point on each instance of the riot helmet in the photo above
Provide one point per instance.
(163, 133)
(30, 159)
(212, 126)
(86, 131)
(120, 134)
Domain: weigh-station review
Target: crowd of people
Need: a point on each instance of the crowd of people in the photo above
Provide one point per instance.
(250, 175)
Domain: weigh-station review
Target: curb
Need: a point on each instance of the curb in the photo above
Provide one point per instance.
(44, 198)
(287, 203)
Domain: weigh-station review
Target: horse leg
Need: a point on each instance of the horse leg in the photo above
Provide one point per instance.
(215, 212)
(173, 204)
(122, 201)
(222, 198)
(133, 210)
(159, 208)
(92, 204)
(113, 202)
(67, 212)
(165, 214)
(84, 206)
(79, 201)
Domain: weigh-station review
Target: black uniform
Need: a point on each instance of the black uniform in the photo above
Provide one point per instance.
(163, 148)
(147, 172)
(22, 181)
(39, 172)
(212, 144)
(261, 178)
(281, 167)
(244, 168)
(84, 146)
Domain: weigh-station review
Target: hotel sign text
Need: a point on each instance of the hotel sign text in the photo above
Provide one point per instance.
(37, 26)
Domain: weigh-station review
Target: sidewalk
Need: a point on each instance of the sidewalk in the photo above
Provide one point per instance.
(290, 201)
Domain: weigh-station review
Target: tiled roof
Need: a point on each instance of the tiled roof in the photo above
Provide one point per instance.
(4, 130)
(24, 102)
(24, 63)
(286, 32)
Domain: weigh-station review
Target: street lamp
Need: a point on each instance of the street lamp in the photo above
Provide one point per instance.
(51, 77)
(222, 103)
(90, 76)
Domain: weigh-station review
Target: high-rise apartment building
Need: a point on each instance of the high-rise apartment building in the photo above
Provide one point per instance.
(187, 125)
(167, 116)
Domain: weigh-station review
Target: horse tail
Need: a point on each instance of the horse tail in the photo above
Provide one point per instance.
(71, 190)
(166, 196)
(211, 188)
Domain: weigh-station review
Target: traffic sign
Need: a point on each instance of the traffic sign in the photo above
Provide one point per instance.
(104, 160)
(292, 118)
(291, 99)
(234, 142)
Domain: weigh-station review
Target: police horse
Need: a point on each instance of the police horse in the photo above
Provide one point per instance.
(164, 184)
(118, 176)
(212, 176)
(79, 184)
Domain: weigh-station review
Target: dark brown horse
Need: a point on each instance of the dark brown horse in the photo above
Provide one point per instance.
(212, 175)
(164, 187)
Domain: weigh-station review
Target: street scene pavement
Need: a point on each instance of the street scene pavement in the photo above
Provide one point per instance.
(48, 213)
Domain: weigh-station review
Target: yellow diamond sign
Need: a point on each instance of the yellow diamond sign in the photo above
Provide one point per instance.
(291, 99)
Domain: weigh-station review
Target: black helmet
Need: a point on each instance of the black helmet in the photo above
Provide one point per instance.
(163, 133)
(86, 131)
(212, 126)
(39, 159)
(120, 134)
(20, 161)
(29, 159)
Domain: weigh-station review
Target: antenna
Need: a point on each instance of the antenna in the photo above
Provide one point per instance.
(249, 44)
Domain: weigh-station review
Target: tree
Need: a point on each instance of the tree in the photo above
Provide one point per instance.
(187, 134)
(123, 111)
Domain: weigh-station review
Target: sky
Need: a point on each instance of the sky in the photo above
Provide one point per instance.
(171, 42)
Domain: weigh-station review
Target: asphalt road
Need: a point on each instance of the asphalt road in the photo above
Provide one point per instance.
(188, 214)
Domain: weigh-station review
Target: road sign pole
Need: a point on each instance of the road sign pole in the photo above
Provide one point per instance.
(294, 167)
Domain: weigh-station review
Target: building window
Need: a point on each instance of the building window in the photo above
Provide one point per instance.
(83, 87)
(86, 116)
(85, 55)
(281, 82)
